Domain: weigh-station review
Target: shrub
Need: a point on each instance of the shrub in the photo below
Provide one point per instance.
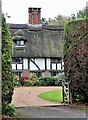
(10, 110)
(30, 81)
(16, 82)
(59, 78)
(26, 83)
(39, 83)
(23, 78)
(33, 80)
(48, 80)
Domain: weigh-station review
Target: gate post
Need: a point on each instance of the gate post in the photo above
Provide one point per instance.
(66, 92)
(63, 92)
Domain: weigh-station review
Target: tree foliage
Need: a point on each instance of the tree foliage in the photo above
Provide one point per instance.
(63, 20)
(80, 14)
(59, 20)
(7, 76)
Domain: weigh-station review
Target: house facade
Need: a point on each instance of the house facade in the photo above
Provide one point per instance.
(36, 47)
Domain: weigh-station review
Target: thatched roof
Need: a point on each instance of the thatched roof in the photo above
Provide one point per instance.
(42, 41)
(19, 35)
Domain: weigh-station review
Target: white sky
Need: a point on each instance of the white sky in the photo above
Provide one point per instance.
(18, 9)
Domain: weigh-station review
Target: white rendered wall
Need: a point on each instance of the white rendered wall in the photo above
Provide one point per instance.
(13, 66)
(40, 62)
(59, 66)
(53, 66)
(25, 63)
(33, 66)
(62, 65)
(48, 63)
(19, 66)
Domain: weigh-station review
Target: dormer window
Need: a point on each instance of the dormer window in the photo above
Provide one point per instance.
(19, 38)
(20, 43)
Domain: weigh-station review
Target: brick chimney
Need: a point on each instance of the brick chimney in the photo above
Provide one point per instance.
(34, 15)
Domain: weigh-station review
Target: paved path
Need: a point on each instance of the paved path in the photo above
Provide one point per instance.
(28, 96)
(50, 112)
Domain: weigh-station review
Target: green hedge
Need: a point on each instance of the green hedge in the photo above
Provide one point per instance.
(47, 80)
(75, 59)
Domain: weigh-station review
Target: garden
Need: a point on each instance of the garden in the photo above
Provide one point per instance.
(33, 80)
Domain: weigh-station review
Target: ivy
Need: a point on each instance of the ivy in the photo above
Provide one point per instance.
(7, 76)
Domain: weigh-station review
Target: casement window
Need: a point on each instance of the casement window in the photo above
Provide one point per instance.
(55, 60)
(56, 63)
(53, 73)
(17, 60)
(18, 74)
(38, 73)
(20, 43)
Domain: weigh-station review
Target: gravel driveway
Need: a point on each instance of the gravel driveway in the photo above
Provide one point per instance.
(29, 105)
(28, 96)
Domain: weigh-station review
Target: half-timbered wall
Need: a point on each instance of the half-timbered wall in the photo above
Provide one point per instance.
(38, 64)
(48, 63)
(25, 63)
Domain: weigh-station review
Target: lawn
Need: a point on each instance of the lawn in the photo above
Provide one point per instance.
(54, 96)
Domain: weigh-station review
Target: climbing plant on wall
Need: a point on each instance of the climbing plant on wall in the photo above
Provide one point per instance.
(75, 59)
(7, 76)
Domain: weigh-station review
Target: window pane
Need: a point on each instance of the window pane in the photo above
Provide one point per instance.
(18, 74)
(53, 73)
(53, 60)
(21, 42)
(18, 60)
(17, 43)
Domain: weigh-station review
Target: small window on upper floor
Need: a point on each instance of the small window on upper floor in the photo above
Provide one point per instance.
(17, 60)
(20, 43)
(56, 60)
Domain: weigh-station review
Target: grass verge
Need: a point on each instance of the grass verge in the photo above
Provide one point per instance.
(54, 96)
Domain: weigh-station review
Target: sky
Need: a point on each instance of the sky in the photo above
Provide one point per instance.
(18, 9)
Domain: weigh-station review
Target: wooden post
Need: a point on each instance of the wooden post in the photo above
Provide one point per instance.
(70, 95)
(0, 61)
(63, 91)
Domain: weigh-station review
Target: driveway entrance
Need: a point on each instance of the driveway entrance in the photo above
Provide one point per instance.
(28, 96)
(29, 105)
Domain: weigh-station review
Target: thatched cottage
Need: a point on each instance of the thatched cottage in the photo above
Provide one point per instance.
(36, 47)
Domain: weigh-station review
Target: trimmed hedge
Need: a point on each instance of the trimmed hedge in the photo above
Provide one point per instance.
(76, 58)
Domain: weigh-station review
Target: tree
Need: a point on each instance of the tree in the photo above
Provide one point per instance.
(43, 21)
(7, 76)
(59, 20)
(80, 14)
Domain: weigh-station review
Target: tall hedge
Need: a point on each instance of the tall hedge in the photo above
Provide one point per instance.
(76, 59)
(7, 76)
